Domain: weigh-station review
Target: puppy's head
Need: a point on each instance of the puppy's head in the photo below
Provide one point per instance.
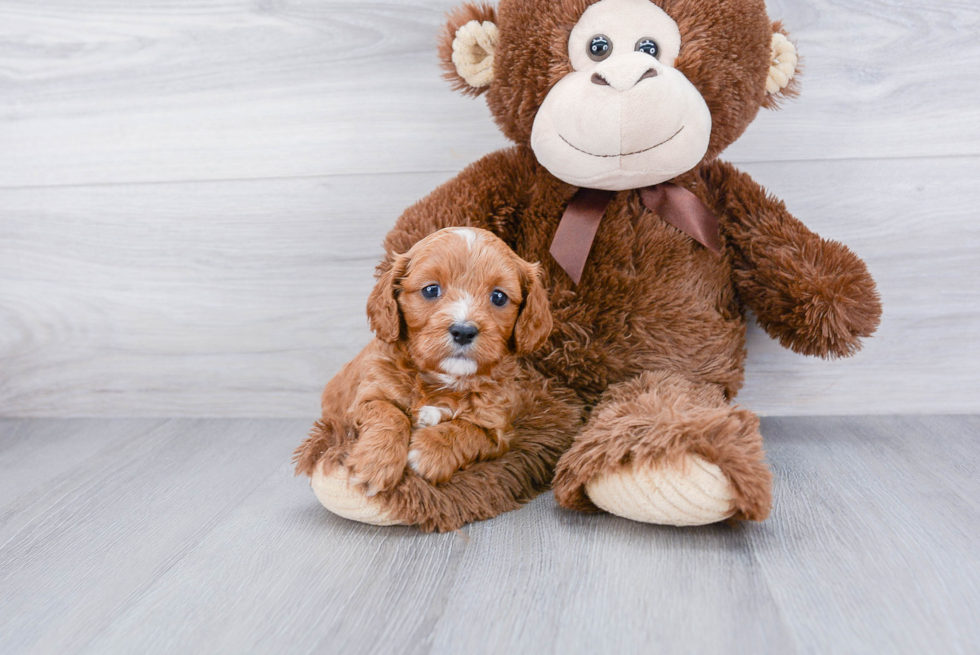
(461, 299)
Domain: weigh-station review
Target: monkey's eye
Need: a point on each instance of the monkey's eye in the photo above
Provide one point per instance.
(600, 47)
(498, 298)
(431, 292)
(648, 46)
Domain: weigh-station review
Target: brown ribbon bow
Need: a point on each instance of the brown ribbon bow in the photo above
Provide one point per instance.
(580, 222)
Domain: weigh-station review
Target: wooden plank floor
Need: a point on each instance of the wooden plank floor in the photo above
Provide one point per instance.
(175, 536)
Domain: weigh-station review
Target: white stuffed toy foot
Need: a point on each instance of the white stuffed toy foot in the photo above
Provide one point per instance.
(691, 492)
(335, 492)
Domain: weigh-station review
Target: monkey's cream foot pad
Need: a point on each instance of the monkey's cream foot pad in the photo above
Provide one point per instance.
(691, 492)
(335, 492)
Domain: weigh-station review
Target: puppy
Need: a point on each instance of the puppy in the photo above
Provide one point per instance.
(436, 389)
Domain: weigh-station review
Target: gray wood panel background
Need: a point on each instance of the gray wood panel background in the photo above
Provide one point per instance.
(193, 194)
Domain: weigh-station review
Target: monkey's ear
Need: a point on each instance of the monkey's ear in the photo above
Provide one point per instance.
(382, 306)
(782, 82)
(466, 47)
(534, 323)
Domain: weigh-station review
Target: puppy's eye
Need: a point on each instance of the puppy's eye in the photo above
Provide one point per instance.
(498, 298)
(649, 46)
(600, 47)
(431, 292)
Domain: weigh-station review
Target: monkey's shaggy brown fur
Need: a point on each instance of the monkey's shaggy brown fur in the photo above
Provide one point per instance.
(654, 335)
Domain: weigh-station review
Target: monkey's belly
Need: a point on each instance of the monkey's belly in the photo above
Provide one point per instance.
(660, 303)
(589, 358)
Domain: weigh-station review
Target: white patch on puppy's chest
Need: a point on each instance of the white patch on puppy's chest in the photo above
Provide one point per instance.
(430, 415)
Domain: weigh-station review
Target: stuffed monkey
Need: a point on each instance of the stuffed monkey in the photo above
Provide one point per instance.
(652, 249)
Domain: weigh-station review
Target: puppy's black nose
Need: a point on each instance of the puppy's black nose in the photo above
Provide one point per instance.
(463, 333)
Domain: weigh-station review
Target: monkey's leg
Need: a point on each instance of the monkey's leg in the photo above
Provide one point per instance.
(664, 449)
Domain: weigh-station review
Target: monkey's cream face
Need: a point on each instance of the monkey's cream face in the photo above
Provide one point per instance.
(625, 118)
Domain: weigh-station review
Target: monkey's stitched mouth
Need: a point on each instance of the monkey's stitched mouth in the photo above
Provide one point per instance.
(623, 154)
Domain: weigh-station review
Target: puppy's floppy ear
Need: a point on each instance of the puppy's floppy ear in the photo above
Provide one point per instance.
(382, 306)
(784, 67)
(534, 320)
(467, 45)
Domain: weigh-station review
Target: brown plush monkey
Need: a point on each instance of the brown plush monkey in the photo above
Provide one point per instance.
(651, 248)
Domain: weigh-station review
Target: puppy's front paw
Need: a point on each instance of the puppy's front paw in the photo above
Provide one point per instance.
(375, 469)
(429, 415)
(431, 456)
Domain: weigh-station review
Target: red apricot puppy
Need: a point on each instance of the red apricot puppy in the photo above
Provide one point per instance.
(436, 390)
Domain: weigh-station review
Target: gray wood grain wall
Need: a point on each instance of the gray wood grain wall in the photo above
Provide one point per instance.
(192, 196)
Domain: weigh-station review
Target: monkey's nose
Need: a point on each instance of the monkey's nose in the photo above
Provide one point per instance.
(463, 333)
(650, 73)
(624, 75)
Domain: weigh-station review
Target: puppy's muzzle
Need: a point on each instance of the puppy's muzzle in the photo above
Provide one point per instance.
(463, 333)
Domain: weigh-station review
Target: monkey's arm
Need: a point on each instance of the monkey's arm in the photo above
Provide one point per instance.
(815, 296)
(486, 194)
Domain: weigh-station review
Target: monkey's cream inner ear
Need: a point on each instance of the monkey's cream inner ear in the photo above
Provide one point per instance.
(783, 64)
(473, 52)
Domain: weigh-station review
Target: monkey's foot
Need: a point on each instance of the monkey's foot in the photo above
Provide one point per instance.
(335, 492)
(691, 492)
(661, 448)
